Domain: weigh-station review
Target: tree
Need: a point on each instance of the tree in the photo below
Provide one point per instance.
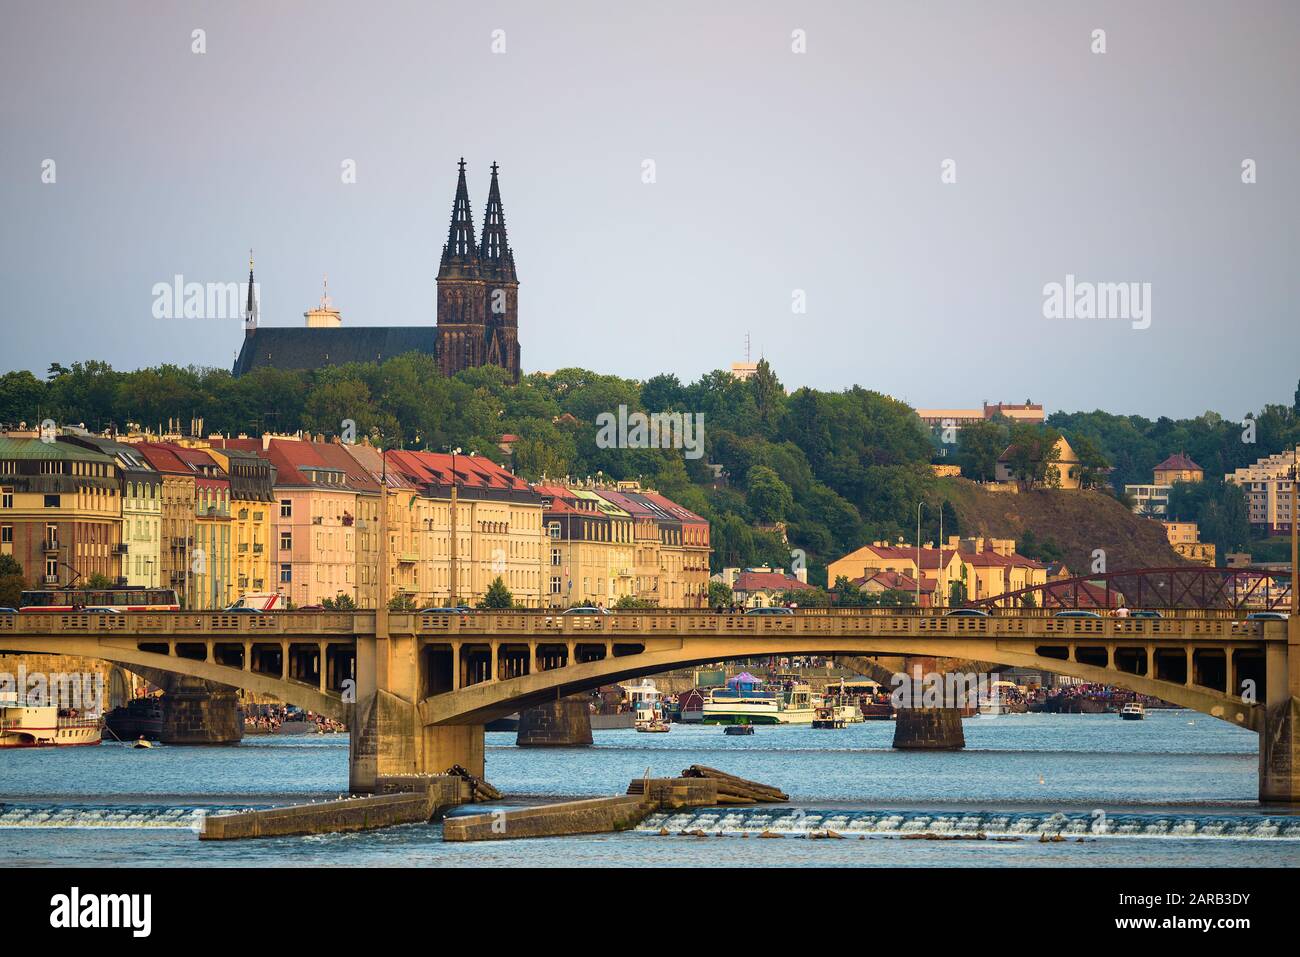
(769, 497)
(402, 602)
(979, 444)
(498, 596)
(956, 594)
(340, 602)
(632, 603)
(98, 582)
(12, 582)
(720, 595)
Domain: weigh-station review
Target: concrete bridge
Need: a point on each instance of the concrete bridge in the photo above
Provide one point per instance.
(417, 689)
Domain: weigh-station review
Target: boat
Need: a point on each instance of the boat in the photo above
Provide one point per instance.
(825, 717)
(747, 700)
(738, 729)
(1133, 711)
(648, 706)
(142, 743)
(993, 707)
(139, 717)
(46, 727)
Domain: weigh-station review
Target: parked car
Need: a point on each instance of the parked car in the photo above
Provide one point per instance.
(586, 610)
(966, 613)
(774, 610)
(1076, 613)
(1145, 613)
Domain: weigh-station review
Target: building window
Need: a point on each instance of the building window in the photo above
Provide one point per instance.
(286, 541)
(555, 556)
(52, 501)
(286, 508)
(6, 534)
(6, 498)
(555, 585)
(286, 574)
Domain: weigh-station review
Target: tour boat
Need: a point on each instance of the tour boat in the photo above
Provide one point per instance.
(1133, 711)
(24, 727)
(748, 702)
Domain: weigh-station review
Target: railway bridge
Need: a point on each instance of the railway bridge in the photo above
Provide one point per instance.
(416, 689)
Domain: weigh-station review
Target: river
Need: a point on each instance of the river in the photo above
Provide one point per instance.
(1177, 789)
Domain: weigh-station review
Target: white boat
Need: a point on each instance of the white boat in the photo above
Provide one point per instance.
(1133, 711)
(25, 727)
(993, 707)
(739, 705)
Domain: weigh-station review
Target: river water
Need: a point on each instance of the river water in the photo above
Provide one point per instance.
(1177, 789)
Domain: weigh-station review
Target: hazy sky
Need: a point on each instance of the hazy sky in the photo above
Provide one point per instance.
(775, 172)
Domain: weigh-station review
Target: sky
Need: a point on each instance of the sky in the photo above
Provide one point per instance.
(780, 179)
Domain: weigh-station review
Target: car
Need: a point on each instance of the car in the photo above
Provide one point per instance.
(585, 610)
(774, 610)
(241, 610)
(1267, 616)
(311, 608)
(457, 610)
(1145, 613)
(8, 611)
(1076, 613)
(100, 610)
(966, 613)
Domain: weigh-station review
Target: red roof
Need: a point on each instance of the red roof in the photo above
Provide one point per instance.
(561, 498)
(1176, 462)
(680, 512)
(768, 581)
(898, 581)
(472, 471)
(929, 556)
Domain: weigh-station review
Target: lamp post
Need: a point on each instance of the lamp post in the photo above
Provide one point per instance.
(451, 581)
(919, 506)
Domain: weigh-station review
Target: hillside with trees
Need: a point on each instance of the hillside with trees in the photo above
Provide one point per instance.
(831, 469)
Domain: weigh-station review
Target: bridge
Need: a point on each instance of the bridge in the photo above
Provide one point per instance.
(416, 689)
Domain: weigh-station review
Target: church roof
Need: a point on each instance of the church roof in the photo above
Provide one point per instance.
(290, 347)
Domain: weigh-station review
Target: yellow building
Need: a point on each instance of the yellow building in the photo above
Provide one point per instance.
(589, 548)
(1185, 538)
(984, 567)
(1177, 468)
(252, 508)
(60, 511)
(1065, 472)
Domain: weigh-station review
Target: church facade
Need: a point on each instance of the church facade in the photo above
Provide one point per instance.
(477, 312)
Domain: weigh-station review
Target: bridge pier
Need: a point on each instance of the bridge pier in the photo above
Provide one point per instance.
(196, 711)
(1279, 739)
(387, 736)
(565, 722)
(920, 728)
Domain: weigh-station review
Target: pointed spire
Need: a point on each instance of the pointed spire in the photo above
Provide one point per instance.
(250, 308)
(495, 249)
(460, 250)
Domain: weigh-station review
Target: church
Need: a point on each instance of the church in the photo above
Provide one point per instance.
(477, 318)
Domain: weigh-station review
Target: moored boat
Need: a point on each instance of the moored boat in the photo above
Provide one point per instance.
(30, 727)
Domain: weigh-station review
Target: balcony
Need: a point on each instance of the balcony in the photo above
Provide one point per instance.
(409, 556)
(121, 548)
(51, 579)
(52, 545)
(257, 548)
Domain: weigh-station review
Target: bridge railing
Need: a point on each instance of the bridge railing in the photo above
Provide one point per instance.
(538, 625)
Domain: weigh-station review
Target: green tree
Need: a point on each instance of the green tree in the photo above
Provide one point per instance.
(402, 602)
(498, 596)
(769, 497)
(720, 595)
(12, 582)
(340, 602)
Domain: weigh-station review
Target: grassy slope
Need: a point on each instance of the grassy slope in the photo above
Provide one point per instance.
(1078, 521)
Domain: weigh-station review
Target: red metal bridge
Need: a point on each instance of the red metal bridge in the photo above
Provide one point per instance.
(1187, 587)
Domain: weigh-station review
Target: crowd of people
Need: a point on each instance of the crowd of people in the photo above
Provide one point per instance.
(268, 719)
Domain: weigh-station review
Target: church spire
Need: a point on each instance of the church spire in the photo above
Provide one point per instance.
(460, 255)
(494, 252)
(250, 308)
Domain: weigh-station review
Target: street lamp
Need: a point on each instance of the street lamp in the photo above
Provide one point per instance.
(451, 582)
(919, 506)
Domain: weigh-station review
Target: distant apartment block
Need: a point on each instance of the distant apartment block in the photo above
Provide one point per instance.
(1267, 487)
(1026, 412)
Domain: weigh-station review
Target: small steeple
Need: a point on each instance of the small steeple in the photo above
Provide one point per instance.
(494, 252)
(460, 253)
(250, 308)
